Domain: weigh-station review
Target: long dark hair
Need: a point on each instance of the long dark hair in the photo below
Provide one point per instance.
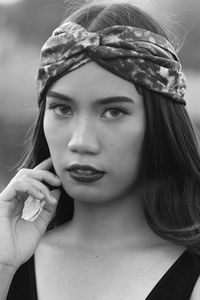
(170, 165)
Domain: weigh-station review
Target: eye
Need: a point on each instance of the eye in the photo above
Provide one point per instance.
(61, 109)
(114, 113)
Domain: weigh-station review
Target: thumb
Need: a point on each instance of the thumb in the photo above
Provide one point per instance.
(46, 212)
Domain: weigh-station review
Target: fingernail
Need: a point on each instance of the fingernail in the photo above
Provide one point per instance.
(55, 194)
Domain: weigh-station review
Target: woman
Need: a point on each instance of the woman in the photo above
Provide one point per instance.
(115, 162)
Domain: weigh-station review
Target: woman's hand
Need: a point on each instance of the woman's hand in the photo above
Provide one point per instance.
(19, 238)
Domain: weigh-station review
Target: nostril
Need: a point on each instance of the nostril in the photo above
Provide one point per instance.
(84, 146)
(84, 138)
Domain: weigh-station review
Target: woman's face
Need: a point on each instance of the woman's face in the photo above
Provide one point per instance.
(83, 126)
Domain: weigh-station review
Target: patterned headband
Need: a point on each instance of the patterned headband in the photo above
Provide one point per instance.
(135, 54)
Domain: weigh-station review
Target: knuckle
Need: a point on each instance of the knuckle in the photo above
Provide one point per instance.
(23, 178)
(16, 183)
(22, 172)
(20, 181)
(45, 190)
(19, 184)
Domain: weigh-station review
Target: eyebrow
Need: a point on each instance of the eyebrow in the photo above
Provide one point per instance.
(113, 99)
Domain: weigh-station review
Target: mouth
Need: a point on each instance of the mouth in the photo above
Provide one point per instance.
(85, 173)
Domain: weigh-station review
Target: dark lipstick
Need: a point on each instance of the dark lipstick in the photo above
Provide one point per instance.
(85, 173)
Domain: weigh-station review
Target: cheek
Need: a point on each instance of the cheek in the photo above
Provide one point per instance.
(53, 136)
(125, 150)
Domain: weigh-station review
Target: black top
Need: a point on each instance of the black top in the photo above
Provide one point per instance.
(176, 284)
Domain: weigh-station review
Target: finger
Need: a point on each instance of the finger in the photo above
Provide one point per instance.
(56, 194)
(41, 175)
(39, 186)
(45, 165)
(20, 190)
(12, 200)
(46, 212)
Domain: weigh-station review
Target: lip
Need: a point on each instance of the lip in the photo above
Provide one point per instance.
(86, 178)
(74, 172)
(83, 167)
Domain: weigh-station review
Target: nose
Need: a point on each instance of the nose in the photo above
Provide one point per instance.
(84, 139)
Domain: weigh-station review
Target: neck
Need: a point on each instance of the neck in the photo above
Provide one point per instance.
(112, 223)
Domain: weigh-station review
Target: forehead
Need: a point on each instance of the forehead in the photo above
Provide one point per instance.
(93, 81)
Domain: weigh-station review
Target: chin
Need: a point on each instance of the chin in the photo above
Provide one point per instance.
(86, 194)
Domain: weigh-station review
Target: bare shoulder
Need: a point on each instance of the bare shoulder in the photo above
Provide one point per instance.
(196, 291)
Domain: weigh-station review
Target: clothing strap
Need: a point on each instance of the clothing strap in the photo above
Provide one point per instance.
(179, 281)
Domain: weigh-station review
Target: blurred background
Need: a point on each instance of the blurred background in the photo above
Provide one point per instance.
(24, 27)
